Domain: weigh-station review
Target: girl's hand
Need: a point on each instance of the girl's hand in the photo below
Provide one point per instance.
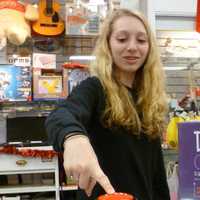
(80, 162)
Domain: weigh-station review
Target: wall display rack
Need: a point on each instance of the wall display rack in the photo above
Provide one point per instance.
(22, 122)
(180, 54)
(179, 47)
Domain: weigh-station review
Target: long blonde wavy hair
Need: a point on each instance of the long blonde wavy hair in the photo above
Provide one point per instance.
(146, 112)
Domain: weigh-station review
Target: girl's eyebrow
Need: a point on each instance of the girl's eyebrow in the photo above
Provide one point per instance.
(142, 34)
(121, 33)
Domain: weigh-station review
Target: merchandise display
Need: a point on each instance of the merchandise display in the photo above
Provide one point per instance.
(15, 83)
(77, 72)
(75, 76)
(44, 61)
(34, 171)
(189, 162)
(172, 132)
(84, 17)
(31, 86)
(45, 52)
(81, 21)
(27, 152)
(49, 84)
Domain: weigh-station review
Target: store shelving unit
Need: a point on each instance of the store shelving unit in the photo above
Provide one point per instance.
(68, 188)
(31, 165)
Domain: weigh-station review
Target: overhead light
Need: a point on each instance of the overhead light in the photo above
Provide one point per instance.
(15, 56)
(95, 2)
(82, 58)
(175, 68)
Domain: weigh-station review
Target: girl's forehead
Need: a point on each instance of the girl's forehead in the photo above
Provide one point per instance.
(128, 24)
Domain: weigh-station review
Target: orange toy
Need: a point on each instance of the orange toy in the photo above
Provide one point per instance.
(49, 22)
(72, 65)
(116, 196)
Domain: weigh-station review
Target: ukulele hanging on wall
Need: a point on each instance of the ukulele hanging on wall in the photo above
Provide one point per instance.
(49, 22)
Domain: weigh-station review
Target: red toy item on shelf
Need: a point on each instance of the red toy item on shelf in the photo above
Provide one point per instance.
(116, 196)
(72, 65)
(28, 152)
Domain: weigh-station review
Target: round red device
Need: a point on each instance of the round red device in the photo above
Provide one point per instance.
(116, 196)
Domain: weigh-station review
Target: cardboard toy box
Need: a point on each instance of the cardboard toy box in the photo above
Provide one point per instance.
(49, 84)
(44, 61)
(75, 73)
(75, 76)
(15, 83)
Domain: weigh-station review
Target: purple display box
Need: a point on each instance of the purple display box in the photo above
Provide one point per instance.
(189, 160)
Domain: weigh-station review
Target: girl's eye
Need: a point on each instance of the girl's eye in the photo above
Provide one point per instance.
(121, 39)
(142, 40)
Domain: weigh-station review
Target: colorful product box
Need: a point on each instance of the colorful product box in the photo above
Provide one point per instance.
(49, 84)
(15, 83)
(189, 160)
(75, 76)
(44, 61)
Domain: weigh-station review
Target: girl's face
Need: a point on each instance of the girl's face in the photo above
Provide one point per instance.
(129, 47)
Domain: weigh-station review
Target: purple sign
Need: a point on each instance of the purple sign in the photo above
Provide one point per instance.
(189, 160)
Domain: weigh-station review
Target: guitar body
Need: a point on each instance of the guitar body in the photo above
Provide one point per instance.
(49, 22)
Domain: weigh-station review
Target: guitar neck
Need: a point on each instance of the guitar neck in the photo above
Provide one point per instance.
(49, 7)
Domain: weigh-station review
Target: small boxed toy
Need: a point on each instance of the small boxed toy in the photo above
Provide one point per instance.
(75, 76)
(15, 83)
(44, 61)
(49, 84)
(76, 73)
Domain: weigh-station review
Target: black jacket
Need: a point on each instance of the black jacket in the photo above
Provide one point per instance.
(133, 164)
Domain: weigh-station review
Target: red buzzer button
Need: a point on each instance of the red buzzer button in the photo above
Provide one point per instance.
(116, 196)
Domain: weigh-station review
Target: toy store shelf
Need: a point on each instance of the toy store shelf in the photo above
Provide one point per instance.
(26, 189)
(26, 109)
(24, 114)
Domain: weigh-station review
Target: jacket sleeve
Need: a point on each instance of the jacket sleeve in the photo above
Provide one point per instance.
(160, 186)
(75, 113)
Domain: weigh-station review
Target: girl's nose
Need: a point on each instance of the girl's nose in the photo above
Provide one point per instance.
(132, 46)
